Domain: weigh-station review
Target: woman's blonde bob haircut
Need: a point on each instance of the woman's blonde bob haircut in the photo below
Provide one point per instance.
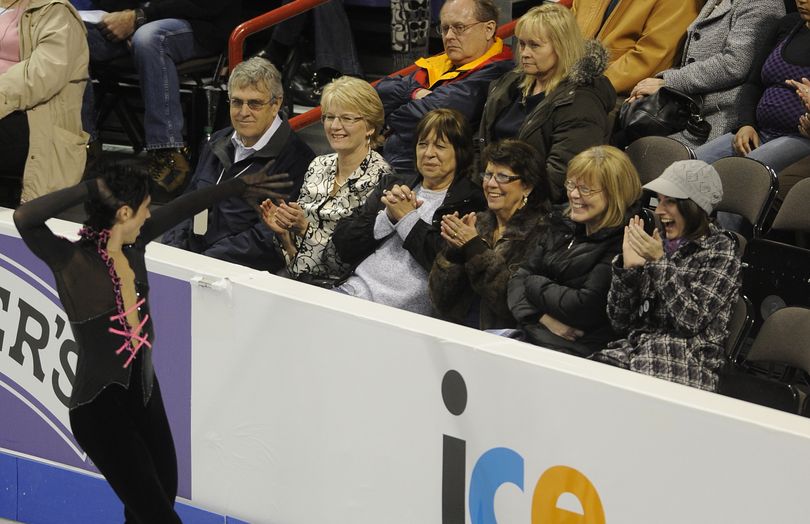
(610, 169)
(555, 24)
(357, 96)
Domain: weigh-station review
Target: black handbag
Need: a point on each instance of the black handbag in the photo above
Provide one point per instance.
(665, 112)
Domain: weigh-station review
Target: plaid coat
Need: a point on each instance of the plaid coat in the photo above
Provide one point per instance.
(675, 312)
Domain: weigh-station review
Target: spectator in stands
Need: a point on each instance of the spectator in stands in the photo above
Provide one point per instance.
(642, 38)
(468, 279)
(721, 45)
(559, 296)
(159, 34)
(393, 240)
(557, 99)
(769, 108)
(335, 184)
(232, 229)
(672, 297)
(43, 70)
(456, 79)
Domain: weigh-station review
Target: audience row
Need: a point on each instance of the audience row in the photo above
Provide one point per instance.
(532, 230)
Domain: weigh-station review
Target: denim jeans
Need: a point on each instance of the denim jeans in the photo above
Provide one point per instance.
(778, 152)
(156, 47)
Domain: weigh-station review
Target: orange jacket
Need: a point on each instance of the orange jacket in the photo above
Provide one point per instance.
(643, 37)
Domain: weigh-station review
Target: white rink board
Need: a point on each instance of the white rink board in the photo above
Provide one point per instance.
(309, 406)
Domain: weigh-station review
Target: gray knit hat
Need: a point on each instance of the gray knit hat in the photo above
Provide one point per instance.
(692, 179)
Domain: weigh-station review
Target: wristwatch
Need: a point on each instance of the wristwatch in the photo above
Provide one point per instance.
(140, 18)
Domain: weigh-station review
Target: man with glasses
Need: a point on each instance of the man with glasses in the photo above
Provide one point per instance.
(258, 136)
(456, 79)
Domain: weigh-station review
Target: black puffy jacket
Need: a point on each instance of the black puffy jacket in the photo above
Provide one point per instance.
(567, 277)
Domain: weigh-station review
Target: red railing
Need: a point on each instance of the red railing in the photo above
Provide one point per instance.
(236, 45)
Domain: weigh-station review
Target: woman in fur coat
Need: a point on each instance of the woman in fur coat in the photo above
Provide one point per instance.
(468, 280)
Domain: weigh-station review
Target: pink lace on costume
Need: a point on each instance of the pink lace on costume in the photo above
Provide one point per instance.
(126, 331)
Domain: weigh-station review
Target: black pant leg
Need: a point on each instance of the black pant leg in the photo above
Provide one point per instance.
(13, 152)
(111, 434)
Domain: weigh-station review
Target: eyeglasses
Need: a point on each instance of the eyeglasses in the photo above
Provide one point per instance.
(345, 120)
(458, 29)
(500, 178)
(584, 191)
(253, 105)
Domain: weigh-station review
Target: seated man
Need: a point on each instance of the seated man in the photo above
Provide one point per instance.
(456, 79)
(159, 34)
(232, 230)
(643, 37)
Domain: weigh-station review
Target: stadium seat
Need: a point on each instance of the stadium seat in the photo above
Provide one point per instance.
(118, 75)
(749, 190)
(784, 340)
(652, 154)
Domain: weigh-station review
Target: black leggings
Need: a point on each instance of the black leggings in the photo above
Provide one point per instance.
(13, 154)
(131, 444)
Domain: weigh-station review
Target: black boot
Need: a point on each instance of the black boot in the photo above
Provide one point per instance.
(169, 168)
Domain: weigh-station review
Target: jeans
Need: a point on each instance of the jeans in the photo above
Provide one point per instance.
(156, 47)
(777, 152)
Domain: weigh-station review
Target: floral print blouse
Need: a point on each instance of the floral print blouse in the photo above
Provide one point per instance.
(316, 256)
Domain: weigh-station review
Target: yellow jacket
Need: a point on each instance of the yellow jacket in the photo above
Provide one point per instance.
(643, 37)
(48, 84)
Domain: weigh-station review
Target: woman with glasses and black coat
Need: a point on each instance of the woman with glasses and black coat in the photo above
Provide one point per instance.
(483, 250)
(559, 297)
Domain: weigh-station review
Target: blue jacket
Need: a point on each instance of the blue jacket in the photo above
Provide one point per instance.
(235, 231)
(463, 89)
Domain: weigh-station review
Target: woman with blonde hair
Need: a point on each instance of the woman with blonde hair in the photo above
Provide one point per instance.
(559, 297)
(335, 184)
(557, 99)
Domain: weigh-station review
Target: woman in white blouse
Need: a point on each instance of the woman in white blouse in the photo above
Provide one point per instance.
(335, 184)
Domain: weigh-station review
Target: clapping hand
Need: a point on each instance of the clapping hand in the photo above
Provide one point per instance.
(638, 247)
(291, 217)
(399, 201)
(268, 211)
(458, 231)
